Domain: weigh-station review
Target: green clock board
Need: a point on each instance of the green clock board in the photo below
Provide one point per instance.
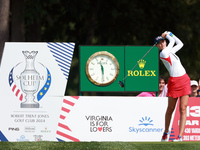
(101, 67)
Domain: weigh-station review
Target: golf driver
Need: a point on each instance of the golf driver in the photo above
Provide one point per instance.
(121, 82)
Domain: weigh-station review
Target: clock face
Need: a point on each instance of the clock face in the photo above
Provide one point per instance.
(102, 68)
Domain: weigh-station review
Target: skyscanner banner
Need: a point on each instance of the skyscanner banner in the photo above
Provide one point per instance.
(111, 119)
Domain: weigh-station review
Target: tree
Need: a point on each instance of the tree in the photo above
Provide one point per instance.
(4, 23)
(113, 22)
(17, 24)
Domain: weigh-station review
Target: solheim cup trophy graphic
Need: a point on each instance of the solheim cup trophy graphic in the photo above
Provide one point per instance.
(30, 80)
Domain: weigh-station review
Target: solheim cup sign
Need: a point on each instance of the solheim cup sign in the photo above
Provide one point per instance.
(33, 79)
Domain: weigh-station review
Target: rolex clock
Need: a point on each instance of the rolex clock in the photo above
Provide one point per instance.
(102, 68)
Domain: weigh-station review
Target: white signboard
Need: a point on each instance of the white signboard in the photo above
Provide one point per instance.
(86, 119)
(33, 79)
(111, 119)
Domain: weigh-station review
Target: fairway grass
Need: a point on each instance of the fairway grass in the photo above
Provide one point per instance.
(42, 145)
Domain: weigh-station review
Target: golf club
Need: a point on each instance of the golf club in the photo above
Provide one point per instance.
(121, 82)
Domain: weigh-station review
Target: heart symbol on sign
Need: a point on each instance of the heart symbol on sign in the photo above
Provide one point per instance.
(100, 128)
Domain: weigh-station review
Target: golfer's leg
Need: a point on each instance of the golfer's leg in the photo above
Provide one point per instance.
(183, 113)
(169, 111)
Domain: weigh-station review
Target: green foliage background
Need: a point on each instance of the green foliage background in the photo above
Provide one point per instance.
(116, 22)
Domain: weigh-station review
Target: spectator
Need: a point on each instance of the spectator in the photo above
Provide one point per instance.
(162, 87)
(147, 94)
(164, 91)
(194, 88)
(198, 92)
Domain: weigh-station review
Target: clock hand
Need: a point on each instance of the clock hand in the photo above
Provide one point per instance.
(102, 70)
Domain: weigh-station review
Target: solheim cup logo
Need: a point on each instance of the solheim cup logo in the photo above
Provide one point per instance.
(30, 81)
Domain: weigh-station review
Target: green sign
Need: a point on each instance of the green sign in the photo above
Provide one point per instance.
(145, 76)
(101, 67)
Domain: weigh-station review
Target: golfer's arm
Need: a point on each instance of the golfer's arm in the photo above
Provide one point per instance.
(171, 41)
(179, 44)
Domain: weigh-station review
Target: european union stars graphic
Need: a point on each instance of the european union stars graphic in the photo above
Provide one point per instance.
(45, 88)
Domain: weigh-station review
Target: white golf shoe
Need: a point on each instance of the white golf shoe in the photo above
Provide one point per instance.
(178, 139)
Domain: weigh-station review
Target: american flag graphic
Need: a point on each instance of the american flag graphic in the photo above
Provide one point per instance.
(13, 86)
(64, 133)
(63, 53)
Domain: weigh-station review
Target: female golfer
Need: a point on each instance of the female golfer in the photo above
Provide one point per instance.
(179, 81)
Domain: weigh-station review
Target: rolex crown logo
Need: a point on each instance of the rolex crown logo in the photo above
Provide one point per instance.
(141, 63)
